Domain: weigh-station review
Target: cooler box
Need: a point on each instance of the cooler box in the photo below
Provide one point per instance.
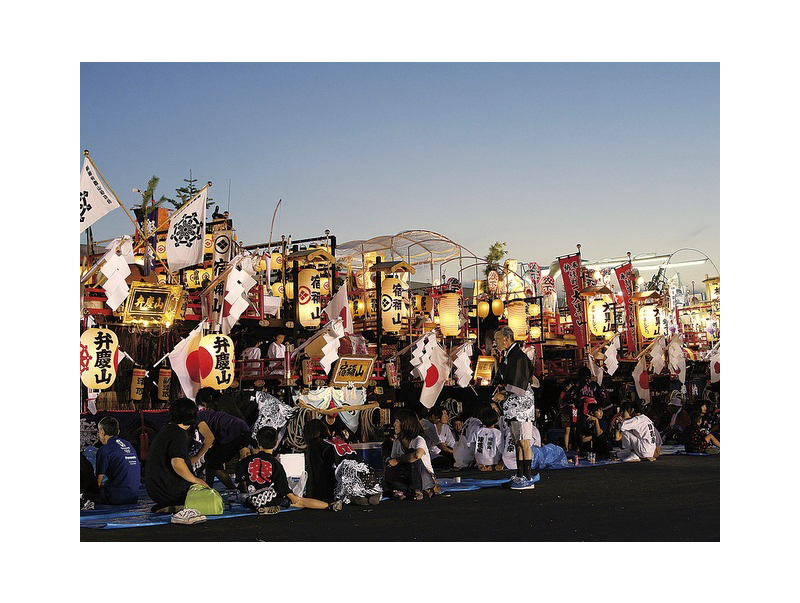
(370, 453)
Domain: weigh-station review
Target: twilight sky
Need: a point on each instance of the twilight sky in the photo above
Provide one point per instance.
(615, 156)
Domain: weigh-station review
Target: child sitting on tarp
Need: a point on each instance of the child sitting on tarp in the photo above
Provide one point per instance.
(698, 438)
(638, 436)
(488, 443)
(464, 451)
(334, 470)
(262, 480)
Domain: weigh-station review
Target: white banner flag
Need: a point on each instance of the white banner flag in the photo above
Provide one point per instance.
(185, 362)
(96, 199)
(339, 307)
(186, 234)
(435, 376)
(657, 356)
(641, 380)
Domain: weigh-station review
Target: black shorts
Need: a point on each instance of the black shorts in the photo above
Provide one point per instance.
(219, 454)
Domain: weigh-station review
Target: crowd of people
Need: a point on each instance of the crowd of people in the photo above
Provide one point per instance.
(200, 439)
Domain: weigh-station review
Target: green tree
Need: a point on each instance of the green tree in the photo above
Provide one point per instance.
(187, 192)
(497, 251)
(149, 203)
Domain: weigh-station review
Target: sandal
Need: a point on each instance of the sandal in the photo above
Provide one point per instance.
(268, 510)
(418, 495)
(399, 495)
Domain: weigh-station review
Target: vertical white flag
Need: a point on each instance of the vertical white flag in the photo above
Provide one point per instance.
(339, 307)
(96, 199)
(186, 234)
(185, 361)
(714, 366)
(435, 376)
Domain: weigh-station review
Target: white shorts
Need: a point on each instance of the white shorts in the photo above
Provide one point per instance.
(522, 430)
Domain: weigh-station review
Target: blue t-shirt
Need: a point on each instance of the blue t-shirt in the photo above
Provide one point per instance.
(117, 460)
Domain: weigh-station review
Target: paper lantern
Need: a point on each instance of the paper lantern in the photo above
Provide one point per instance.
(357, 308)
(534, 310)
(497, 307)
(536, 332)
(391, 304)
(308, 294)
(483, 309)
(518, 320)
(289, 290)
(325, 286)
(422, 304)
(649, 321)
(450, 314)
(137, 383)
(276, 261)
(600, 318)
(216, 361)
(277, 289)
(99, 358)
(164, 383)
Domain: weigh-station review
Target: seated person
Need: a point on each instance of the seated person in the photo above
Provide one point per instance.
(639, 438)
(118, 465)
(262, 480)
(464, 451)
(253, 355)
(679, 421)
(89, 492)
(594, 434)
(488, 443)
(698, 438)
(167, 476)
(334, 469)
(442, 450)
(224, 436)
(408, 470)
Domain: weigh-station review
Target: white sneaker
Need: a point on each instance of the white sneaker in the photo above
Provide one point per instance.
(187, 517)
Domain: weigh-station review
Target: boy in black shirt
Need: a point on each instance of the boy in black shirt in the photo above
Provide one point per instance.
(262, 480)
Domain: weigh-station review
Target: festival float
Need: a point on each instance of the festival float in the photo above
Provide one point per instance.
(370, 324)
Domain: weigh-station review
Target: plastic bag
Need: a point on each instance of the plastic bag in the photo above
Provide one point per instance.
(205, 501)
(548, 457)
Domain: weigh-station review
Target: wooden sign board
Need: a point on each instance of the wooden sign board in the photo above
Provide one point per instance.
(352, 370)
(484, 368)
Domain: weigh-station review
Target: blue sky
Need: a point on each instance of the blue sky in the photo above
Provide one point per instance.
(616, 156)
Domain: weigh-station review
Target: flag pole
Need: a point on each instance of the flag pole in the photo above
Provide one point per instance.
(125, 209)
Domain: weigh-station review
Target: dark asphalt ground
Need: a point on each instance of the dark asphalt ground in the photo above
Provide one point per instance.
(676, 498)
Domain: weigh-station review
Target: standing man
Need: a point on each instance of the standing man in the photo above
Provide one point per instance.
(116, 461)
(518, 403)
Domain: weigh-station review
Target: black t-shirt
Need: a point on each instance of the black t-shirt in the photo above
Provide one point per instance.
(324, 457)
(262, 471)
(163, 484)
(586, 428)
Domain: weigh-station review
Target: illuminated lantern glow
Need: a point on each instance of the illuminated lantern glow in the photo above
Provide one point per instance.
(289, 290)
(600, 323)
(497, 307)
(277, 289)
(391, 305)
(276, 262)
(137, 383)
(536, 332)
(518, 320)
(650, 321)
(99, 358)
(483, 309)
(325, 286)
(164, 383)
(450, 314)
(219, 372)
(534, 310)
(308, 297)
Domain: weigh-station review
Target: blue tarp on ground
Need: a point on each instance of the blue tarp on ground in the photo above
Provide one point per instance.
(136, 516)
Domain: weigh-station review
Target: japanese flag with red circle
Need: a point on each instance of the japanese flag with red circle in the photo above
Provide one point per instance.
(714, 365)
(641, 380)
(436, 375)
(189, 362)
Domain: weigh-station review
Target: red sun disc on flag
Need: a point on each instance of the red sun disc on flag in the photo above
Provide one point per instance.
(716, 367)
(644, 382)
(199, 364)
(432, 376)
(343, 316)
